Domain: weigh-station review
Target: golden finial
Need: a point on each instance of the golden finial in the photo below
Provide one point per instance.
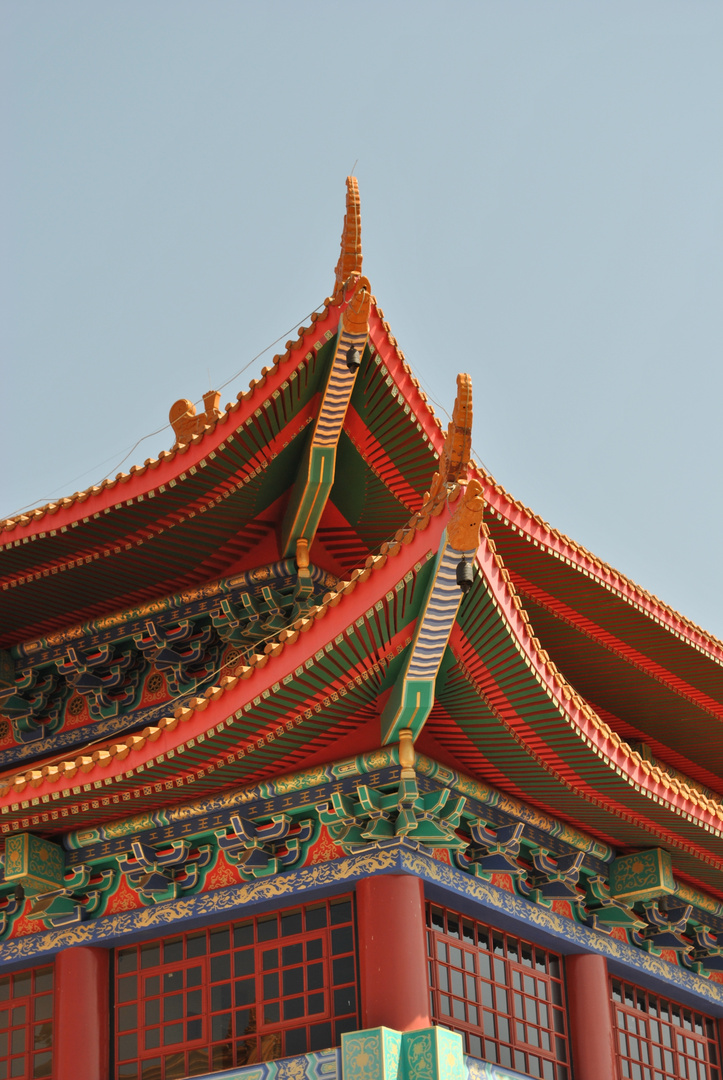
(458, 444)
(350, 258)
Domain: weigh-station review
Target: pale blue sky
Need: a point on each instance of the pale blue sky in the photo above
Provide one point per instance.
(541, 198)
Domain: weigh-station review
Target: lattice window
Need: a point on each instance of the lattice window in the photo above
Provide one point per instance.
(237, 994)
(661, 1040)
(505, 996)
(26, 1023)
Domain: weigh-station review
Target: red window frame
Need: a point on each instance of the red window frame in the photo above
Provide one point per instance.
(26, 1024)
(659, 1039)
(505, 996)
(253, 990)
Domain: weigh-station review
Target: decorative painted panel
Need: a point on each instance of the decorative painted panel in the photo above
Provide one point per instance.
(433, 1054)
(327, 1065)
(642, 876)
(372, 1054)
(34, 863)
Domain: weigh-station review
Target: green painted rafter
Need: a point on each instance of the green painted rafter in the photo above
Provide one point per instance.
(318, 466)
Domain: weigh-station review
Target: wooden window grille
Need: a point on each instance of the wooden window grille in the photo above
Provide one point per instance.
(505, 996)
(26, 1024)
(659, 1039)
(237, 994)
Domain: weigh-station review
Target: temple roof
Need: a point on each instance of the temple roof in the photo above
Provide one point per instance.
(558, 679)
(516, 723)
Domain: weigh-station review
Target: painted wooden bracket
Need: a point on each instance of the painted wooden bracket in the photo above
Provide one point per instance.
(318, 466)
(262, 849)
(412, 697)
(165, 873)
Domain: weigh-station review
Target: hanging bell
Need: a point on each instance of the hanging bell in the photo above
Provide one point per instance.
(353, 359)
(465, 575)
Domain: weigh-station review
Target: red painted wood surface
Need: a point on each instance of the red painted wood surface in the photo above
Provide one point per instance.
(82, 1014)
(392, 953)
(591, 1024)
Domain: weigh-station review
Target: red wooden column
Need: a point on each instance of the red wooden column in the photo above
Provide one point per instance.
(591, 1020)
(82, 1014)
(392, 952)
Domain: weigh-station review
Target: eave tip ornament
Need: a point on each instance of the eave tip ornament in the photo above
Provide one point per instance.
(455, 455)
(350, 257)
(450, 480)
(186, 422)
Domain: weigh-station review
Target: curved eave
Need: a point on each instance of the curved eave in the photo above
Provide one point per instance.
(551, 741)
(144, 766)
(195, 513)
(140, 480)
(639, 698)
(170, 467)
(559, 546)
(674, 678)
